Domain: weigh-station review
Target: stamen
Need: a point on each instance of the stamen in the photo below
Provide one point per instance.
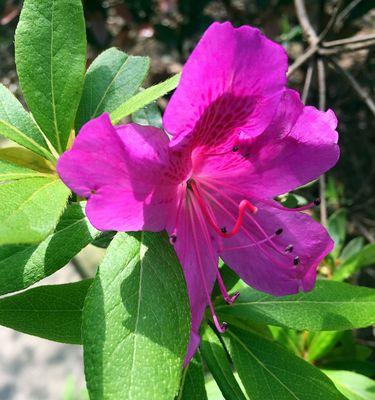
(308, 206)
(224, 229)
(234, 149)
(289, 248)
(253, 244)
(229, 299)
(173, 235)
(220, 327)
(244, 204)
(279, 231)
(267, 239)
(296, 260)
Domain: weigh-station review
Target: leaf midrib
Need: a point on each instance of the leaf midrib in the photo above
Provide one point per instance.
(263, 365)
(25, 137)
(296, 302)
(122, 67)
(26, 201)
(135, 333)
(57, 134)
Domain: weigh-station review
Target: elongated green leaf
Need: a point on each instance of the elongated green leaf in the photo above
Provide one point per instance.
(269, 371)
(364, 258)
(52, 312)
(30, 208)
(27, 159)
(288, 338)
(213, 391)
(353, 386)
(330, 306)
(112, 79)
(17, 125)
(148, 115)
(145, 97)
(136, 321)
(9, 172)
(352, 248)
(337, 230)
(51, 58)
(218, 364)
(322, 343)
(21, 266)
(192, 382)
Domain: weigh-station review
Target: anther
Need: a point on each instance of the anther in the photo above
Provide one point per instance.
(172, 239)
(188, 184)
(296, 260)
(93, 191)
(220, 327)
(224, 229)
(232, 299)
(235, 148)
(317, 201)
(279, 231)
(289, 248)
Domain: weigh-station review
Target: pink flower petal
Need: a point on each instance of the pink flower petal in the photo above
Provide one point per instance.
(232, 81)
(125, 172)
(96, 159)
(299, 146)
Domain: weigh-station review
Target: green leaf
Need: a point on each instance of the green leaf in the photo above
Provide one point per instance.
(27, 159)
(22, 266)
(148, 115)
(143, 98)
(213, 391)
(337, 230)
(218, 363)
(362, 259)
(353, 386)
(30, 208)
(52, 312)
(330, 306)
(358, 366)
(17, 125)
(51, 59)
(9, 172)
(112, 78)
(322, 343)
(136, 321)
(268, 371)
(192, 382)
(352, 248)
(288, 338)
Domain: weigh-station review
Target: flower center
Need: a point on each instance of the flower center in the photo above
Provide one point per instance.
(214, 199)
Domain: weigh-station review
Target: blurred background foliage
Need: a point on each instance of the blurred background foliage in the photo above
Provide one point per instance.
(167, 30)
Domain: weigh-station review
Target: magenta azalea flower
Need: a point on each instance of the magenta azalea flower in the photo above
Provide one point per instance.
(239, 138)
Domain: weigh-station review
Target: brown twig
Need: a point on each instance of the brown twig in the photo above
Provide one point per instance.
(346, 11)
(305, 23)
(346, 48)
(331, 22)
(302, 59)
(314, 40)
(361, 91)
(351, 40)
(322, 106)
(308, 80)
(364, 231)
